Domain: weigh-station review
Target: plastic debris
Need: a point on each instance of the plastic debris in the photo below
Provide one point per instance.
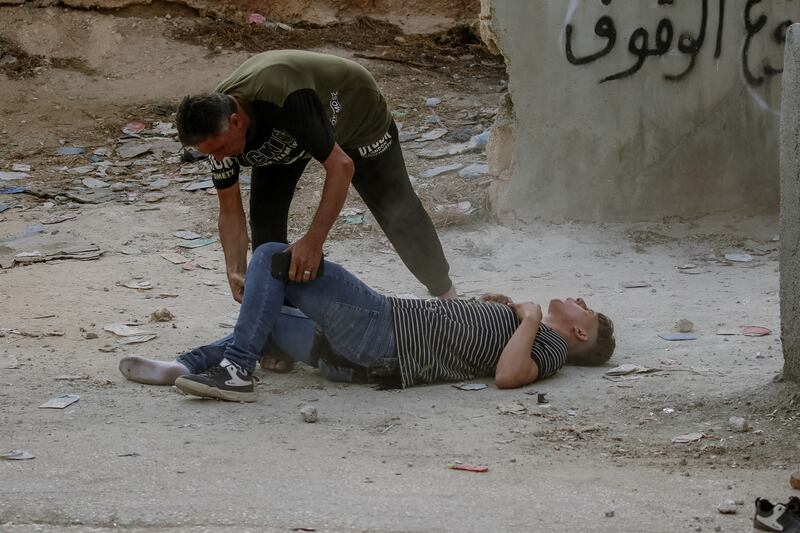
(690, 437)
(469, 468)
(432, 102)
(124, 330)
(16, 455)
(437, 171)
(309, 414)
(138, 284)
(21, 167)
(739, 257)
(12, 176)
(60, 402)
(94, 183)
(132, 128)
(256, 18)
(755, 331)
(480, 140)
(198, 185)
(4, 208)
(188, 235)
(196, 243)
(475, 170)
(137, 339)
(175, 258)
(12, 190)
(678, 336)
(628, 368)
(433, 134)
(461, 208)
(470, 386)
(134, 149)
(354, 220)
(70, 150)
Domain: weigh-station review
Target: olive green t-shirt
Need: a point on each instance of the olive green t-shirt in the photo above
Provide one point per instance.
(300, 104)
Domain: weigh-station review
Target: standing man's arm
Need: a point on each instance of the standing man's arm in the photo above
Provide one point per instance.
(307, 251)
(305, 113)
(233, 235)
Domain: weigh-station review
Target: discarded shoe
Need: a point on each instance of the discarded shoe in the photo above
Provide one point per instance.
(777, 517)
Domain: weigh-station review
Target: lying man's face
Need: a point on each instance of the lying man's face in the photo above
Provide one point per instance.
(574, 318)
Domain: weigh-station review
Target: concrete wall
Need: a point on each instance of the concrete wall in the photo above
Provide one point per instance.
(790, 207)
(623, 110)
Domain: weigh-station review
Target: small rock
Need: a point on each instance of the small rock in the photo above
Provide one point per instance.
(161, 315)
(739, 424)
(684, 326)
(727, 507)
(794, 480)
(610, 514)
(89, 336)
(433, 102)
(309, 414)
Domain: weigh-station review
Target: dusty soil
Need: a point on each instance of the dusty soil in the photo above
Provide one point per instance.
(140, 457)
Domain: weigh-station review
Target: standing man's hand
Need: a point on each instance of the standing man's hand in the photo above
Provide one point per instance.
(236, 281)
(233, 234)
(306, 257)
(497, 298)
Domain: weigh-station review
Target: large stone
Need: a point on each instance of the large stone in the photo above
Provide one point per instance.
(598, 132)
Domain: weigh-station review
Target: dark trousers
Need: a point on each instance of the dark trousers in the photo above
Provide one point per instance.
(382, 182)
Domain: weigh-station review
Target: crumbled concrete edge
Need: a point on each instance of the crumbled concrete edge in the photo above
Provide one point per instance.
(488, 36)
(499, 152)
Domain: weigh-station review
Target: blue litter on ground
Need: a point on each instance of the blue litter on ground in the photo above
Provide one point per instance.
(12, 190)
(70, 150)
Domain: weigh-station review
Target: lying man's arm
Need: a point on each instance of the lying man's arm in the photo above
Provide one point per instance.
(516, 368)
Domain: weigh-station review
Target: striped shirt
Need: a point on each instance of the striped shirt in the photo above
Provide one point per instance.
(454, 340)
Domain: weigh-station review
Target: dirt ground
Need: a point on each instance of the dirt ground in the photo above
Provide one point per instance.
(597, 457)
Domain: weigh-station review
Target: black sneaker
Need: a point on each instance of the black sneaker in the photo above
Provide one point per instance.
(224, 382)
(775, 517)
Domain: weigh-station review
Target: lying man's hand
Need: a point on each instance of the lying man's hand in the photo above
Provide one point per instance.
(527, 310)
(498, 298)
(306, 257)
(236, 281)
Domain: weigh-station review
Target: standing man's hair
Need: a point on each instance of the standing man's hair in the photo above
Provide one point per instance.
(203, 116)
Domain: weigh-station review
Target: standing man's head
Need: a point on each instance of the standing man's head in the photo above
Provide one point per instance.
(589, 334)
(214, 123)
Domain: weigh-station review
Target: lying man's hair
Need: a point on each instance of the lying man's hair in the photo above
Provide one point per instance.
(603, 347)
(203, 116)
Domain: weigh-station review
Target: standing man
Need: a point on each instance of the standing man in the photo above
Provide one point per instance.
(275, 112)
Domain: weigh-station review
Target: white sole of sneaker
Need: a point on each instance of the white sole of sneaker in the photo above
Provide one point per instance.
(204, 391)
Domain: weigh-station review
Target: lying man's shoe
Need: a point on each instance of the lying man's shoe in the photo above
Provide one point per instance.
(775, 517)
(224, 382)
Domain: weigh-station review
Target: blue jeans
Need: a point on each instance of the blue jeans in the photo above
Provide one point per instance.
(356, 320)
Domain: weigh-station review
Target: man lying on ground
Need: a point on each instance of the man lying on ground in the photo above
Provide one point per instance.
(416, 341)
